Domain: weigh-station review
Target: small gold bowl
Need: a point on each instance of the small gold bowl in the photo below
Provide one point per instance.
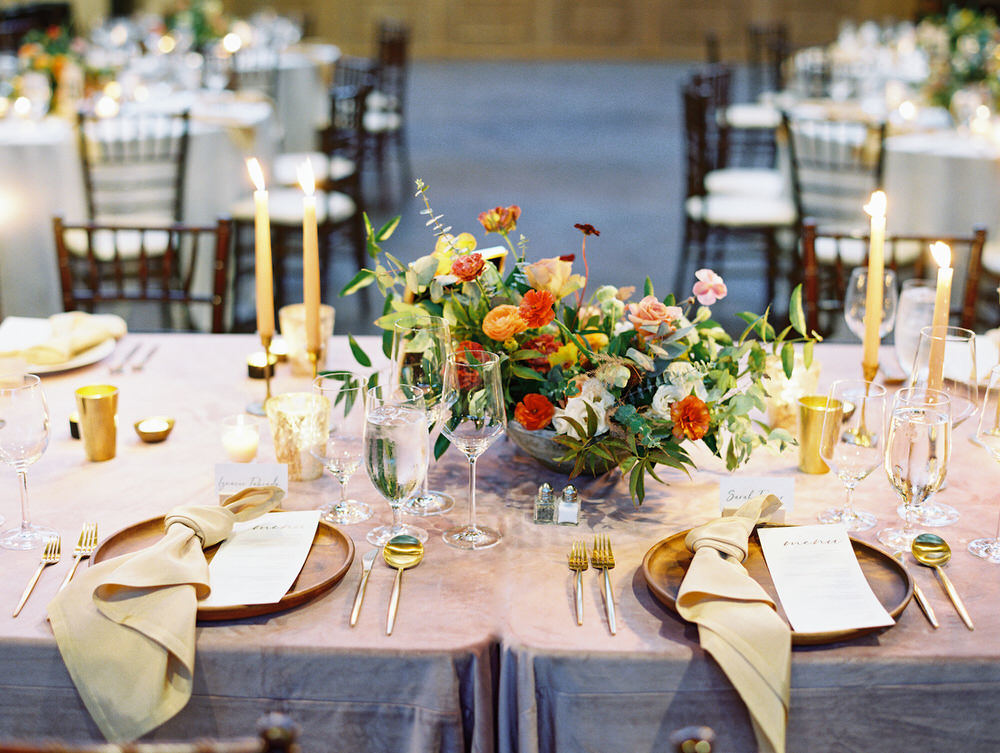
(154, 428)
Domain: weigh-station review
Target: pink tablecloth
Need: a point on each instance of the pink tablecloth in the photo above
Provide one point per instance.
(486, 654)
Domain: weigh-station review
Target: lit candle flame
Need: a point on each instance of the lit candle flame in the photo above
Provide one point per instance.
(256, 174)
(876, 204)
(306, 178)
(941, 253)
(231, 43)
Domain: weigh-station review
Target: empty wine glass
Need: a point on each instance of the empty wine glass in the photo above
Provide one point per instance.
(341, 452)
(958, 380)
(475, 416)
(420, 349)
(24, 435)
(988, 434)
(917, 448)
(854, 302)
(395, 440)
(851, 444)
(914, 312)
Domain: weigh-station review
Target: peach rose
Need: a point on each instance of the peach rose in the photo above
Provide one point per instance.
(503, 322)
(553, 275)
(650, 313)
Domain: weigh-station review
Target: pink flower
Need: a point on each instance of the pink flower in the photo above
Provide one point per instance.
(709, 288)
(649, 313)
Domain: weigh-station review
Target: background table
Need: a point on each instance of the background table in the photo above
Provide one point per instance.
(486, 654)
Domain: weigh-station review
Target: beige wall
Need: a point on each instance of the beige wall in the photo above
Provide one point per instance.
(553, 29)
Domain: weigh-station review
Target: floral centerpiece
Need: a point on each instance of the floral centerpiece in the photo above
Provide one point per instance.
(205, 20)
(50, 51)
(610, 381)
(963, 51)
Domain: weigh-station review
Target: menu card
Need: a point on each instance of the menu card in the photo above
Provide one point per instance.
(819, 580)
(261, 559)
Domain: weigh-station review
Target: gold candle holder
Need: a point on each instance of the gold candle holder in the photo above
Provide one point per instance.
(97, 407)
(812, 409)
(260, 408)
(299, 420)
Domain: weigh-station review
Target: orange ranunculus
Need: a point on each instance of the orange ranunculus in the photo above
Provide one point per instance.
(503, 322)
(544, 344)
(536, 308)
(691, 418)
(649, 313)
(467, 268)
(500, 219)
(534, 412)
(469, 349)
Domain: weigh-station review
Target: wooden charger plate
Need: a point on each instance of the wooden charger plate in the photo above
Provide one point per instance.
(667, 562)
(328, 561)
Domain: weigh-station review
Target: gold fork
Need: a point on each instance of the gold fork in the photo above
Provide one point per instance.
(603, 559)
(578, 563)
(50, 556)
(85, 547)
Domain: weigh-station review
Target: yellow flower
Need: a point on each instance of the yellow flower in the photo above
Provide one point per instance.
(444, 249)
(567, 355)
(553, 275)
(596, 340)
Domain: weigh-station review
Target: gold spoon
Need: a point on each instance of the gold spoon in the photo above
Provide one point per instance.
(931, 550)
(401, 552)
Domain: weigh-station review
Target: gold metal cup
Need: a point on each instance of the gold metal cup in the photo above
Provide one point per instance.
(812, 409)
(97, 405)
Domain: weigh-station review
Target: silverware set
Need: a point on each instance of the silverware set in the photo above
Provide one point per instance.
(602, 558)
(138, 365)
(85, 546)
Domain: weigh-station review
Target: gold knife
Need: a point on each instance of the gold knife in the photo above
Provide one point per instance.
(366, 568)
(918, 594)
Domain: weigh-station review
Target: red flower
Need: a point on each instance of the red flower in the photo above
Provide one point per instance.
(467, 351)
(534, 412)
(501, 219)
(544, 344)
(691, 418)
(467, 267)
(536, 308)
(587, 229)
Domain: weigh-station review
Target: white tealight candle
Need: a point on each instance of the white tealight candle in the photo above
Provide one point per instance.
(240, 442)
(151, 425)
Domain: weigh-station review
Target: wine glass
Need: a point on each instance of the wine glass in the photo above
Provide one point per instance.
(988, 434)
(917, 448)
(341, 451)
(24, 435)
(420, 349)
(851, 444)
(475, 416)
(914, 312)
(958, 380)
(854, 302)
(395, 440)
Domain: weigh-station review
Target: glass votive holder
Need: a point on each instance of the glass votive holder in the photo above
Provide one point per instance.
(240, 438)
(299, 420)
(259, 364)
(292, 321)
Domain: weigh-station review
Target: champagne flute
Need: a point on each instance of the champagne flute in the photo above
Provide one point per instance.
(854, 302)
(341, 451)
(420, 349)
(24, 435)
(959, 381)
(917, 448)
(988, 434)
(850, 444)
(395, 440)
(475, 416)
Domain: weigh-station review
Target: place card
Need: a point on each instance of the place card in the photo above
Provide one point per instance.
(234, 477)
(819, 580)
(261, 559)
(735, 490)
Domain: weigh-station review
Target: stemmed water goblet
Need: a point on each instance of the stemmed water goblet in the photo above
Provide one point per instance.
(475, 416)
(917, 449)
(959, 381)
(914, 312)
(851, 444)
(24, 435)
(855, 302)
(420, 349)
(988, 434)
(395, 451)
(341, 451)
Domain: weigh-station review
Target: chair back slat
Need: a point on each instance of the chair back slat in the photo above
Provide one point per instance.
(767, 50)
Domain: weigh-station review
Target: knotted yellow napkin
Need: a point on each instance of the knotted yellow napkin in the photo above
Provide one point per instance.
(126, 627)
(737, 622)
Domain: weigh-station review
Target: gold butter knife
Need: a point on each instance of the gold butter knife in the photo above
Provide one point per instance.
(366, 569)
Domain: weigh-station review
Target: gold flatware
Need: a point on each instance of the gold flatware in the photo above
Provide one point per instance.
(50, 556)
(119, 367)
(918, 594)
(603, 558)
(578, 563)
(85, 547)
(931, 550)
(366, 568)
(401, 552)
(141, 363)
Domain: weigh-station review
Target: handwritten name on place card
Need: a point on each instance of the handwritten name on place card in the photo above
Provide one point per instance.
(233, 477)
(735, 490)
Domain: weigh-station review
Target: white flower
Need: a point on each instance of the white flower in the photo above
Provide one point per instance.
(576, 408)
(662, 401)
(684, 379)
(623, 326)
(595, 393)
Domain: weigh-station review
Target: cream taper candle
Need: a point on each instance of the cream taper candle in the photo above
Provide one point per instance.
(942, 310)
(262, 256)
(874, 291)
(310, 256)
